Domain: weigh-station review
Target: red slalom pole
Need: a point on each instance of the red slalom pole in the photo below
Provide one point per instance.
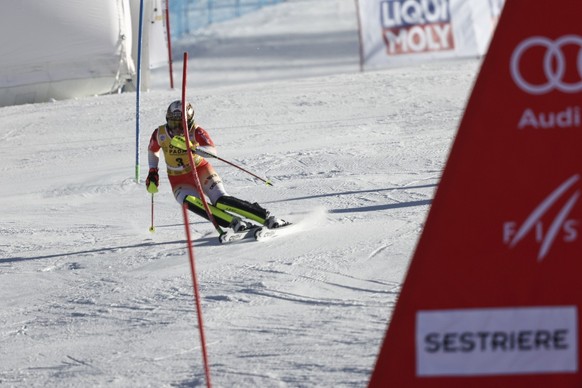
(187, 226)
(189, 149)
(196, 296)
(169, 44)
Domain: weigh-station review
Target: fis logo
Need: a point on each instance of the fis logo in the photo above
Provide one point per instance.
(546, 230)
(415, 26)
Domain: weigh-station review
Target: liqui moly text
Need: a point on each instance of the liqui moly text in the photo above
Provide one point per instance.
(416, 26)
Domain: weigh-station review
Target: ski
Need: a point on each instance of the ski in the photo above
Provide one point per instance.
(259, 233)
(231, 236)
(263, 234)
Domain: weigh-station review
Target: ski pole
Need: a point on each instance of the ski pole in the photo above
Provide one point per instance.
(152, 188)
(207, 154)
(152, 228)
(179, 142)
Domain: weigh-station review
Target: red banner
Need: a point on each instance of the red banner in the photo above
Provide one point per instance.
(493, 293)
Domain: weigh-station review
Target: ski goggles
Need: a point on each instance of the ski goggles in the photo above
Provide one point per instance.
(174, 124)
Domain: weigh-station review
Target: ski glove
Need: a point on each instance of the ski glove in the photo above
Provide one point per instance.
(153, 177)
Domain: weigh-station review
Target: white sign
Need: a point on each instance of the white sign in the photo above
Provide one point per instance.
(398, 32)
(473, 342)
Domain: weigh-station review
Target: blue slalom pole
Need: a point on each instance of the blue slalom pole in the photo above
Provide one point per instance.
(137, 95)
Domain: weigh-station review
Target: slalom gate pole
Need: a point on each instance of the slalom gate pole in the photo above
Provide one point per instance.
(189, 149)
(197, 297)
(187, 226)
(137, 94)
(169, 44)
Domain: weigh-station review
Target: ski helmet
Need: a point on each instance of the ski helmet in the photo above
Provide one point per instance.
(174, 115)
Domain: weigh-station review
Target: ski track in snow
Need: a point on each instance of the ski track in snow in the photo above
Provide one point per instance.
(92, 298)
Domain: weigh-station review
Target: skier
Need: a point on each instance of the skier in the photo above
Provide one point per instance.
(227, 210)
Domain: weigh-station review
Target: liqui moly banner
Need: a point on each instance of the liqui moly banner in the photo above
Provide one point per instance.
(492, 296)
(398, 32)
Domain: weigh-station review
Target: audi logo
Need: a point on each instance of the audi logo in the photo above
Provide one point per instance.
(554, 75)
